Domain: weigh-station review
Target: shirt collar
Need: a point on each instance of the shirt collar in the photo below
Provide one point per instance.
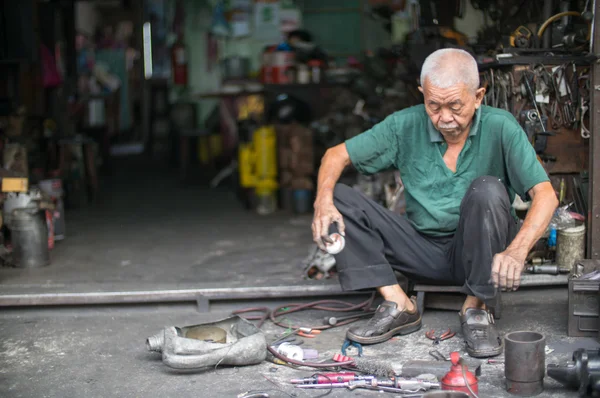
(436, 136)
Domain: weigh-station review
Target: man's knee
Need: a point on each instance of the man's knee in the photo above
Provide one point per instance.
(488, 189)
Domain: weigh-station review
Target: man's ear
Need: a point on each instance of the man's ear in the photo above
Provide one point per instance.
(421, 89)
(479, 94)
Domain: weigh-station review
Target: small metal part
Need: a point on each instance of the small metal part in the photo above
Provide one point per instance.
(252, 394)
(333, 320)
(539, 261)
(550, 269)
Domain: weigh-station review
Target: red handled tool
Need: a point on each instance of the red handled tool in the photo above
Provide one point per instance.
(328, 378)
(448, 334)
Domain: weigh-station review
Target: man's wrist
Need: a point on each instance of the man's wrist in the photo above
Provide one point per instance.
(324, 196)
(517, 252)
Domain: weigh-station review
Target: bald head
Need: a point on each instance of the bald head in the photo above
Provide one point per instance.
(448, 67)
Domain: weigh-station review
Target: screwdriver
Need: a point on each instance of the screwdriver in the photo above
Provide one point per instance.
(328, 378)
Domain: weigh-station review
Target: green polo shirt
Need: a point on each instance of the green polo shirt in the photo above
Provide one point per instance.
(408, 141)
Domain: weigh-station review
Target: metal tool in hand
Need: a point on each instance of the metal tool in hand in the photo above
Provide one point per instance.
(333, 320)
(448, 334)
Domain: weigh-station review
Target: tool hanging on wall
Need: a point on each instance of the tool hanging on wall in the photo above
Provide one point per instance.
(522, 37)
(583, 87)
(499, 87)
(534, 122)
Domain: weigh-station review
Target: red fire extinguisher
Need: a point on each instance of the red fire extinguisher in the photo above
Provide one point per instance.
(457, 380)
(179, 63)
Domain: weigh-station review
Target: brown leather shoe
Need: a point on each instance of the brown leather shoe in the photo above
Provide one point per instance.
(386, 323)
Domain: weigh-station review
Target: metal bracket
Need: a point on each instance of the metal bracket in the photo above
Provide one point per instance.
(202, 304)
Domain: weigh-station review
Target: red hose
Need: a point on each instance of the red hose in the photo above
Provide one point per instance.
(343, 306)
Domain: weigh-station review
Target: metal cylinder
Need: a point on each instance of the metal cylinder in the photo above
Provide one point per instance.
(524, 363)
(155, 343)
(570, 246)
(446, 394)
(29, 238)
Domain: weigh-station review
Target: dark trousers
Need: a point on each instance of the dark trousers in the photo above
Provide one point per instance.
(379, 241)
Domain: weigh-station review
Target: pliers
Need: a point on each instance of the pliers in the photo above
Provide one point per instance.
(448, 334)
(348, 343)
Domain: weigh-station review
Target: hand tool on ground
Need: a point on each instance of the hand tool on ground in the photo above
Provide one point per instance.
(304, 332)
(251, 394)
(399, 385)
(347, 343)
(328, 378)
(415, 368)
(311, 333)
(438, 355)
(448, 334)
(292, 340)
(333, 320)
(494, 362)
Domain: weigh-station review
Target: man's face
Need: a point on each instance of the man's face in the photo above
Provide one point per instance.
(451, 109)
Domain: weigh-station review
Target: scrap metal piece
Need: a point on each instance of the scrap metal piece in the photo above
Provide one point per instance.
(244, 344)
(549, 269)
(437, 368)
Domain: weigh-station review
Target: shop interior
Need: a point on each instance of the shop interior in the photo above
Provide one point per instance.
(159, 166)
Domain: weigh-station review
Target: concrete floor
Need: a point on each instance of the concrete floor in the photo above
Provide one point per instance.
(146, 232)
(100, 351)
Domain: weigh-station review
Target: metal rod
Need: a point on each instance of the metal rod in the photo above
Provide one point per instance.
(547, 11)
(158, 296)
(593, 215)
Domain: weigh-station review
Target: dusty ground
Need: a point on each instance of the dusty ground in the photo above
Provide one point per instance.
(100, 352)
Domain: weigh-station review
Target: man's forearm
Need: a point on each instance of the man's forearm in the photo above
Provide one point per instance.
(334, 162)
(538, 217)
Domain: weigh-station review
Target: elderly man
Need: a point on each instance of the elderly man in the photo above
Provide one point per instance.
(461, 164)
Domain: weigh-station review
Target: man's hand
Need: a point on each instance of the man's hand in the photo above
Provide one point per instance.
(325, 214)
(507, 268)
